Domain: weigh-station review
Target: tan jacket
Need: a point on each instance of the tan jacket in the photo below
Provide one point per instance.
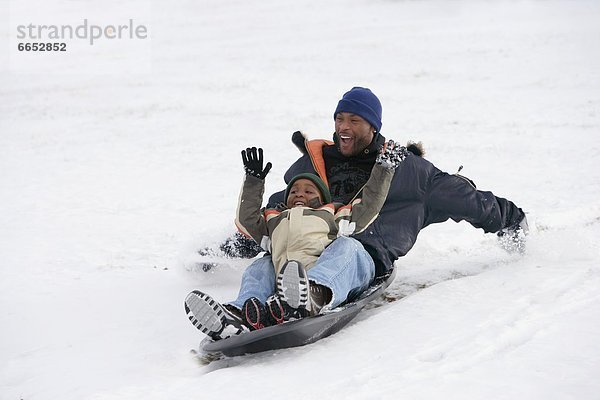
(302, 233)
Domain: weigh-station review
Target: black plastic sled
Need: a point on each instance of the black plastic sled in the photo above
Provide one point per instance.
(299, 332)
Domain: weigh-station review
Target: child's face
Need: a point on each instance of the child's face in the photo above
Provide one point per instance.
(302, 192)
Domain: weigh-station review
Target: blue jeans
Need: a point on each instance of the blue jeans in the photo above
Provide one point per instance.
(345, 267)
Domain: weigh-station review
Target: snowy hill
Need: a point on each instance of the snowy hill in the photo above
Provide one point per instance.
(119, 160)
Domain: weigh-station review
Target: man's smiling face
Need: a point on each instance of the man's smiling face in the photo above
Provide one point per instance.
(353, 132)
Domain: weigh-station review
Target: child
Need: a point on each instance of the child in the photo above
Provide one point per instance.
(308, 222)
(301, 229)
(296, 233)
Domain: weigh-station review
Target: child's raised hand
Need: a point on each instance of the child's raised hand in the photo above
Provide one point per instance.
(253, 163)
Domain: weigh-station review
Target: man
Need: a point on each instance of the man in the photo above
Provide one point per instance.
(419, 195)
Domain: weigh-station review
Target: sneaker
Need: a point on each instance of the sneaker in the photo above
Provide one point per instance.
(278, 311)
(512, 239)
(211, 318)
(292, 285)
(275, 310)
(319, 297)
(254, 314)
(290, 300)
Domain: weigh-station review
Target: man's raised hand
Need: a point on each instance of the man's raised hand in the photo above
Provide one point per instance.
(392, 154)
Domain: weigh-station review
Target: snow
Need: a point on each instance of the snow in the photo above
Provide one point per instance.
(119, 160)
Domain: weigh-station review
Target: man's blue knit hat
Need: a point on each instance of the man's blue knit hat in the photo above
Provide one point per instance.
(361, 101)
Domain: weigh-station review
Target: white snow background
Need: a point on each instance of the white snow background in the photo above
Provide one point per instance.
(111, 180)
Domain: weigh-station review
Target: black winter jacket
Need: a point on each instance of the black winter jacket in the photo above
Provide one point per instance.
(420, 194)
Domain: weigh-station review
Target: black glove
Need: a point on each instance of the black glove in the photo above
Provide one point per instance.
(392, 154)
(253, 163)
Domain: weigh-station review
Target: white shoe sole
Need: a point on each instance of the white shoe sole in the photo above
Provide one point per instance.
(205, 313)
(292, 285)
